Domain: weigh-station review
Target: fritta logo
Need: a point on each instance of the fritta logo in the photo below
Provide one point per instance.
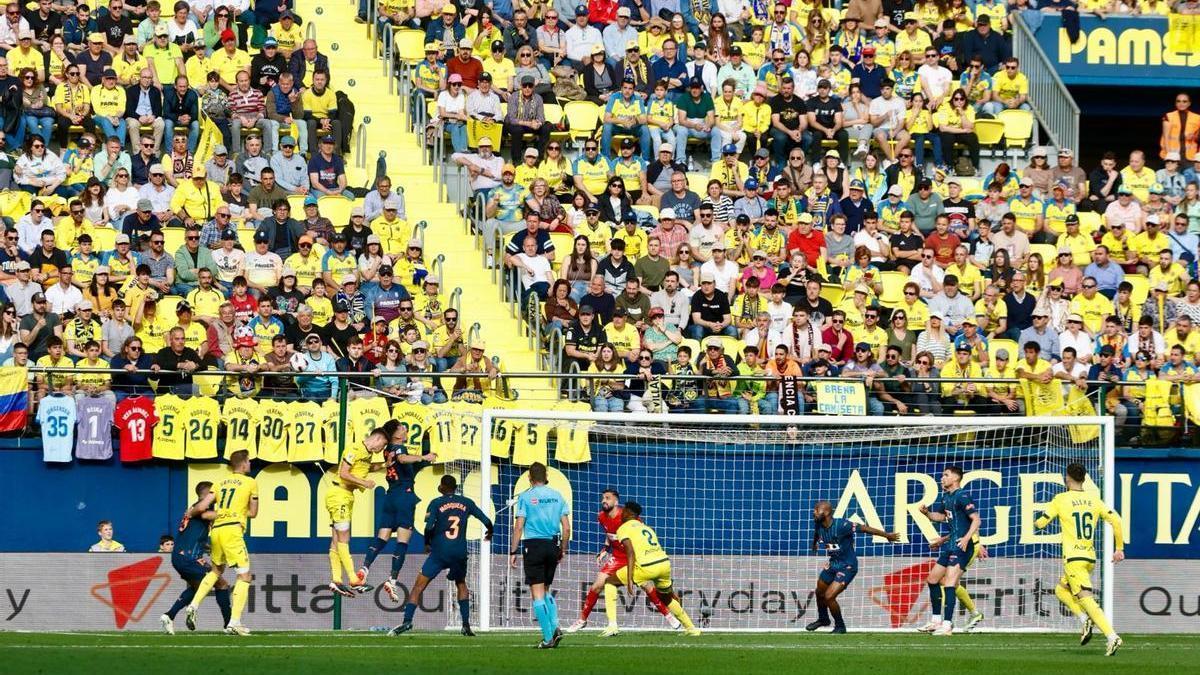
(901, 591)
(128, 585)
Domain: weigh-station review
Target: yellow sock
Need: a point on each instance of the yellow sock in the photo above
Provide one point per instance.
(610, 604)
(964, 598)
(1064, 596)
(1097, 615)
(335, 566)
(343, 552)
(677, 610)
(206, 585)
(241, 593)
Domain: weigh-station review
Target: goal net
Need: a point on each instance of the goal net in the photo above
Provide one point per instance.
(731, 499)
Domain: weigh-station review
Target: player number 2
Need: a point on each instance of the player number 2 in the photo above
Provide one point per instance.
(1085, 524)
(649, 537)
(452, 532)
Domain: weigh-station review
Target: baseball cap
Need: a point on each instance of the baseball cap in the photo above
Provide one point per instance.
(229, 233)
(735, 51)
(127, 40)
(87, 305)
(666, 147)
(896, 190)
(667, 213)
(586, 309)
(227, 35)
(862, 347)
(751, 184)
(270, 42)
(707, 277)
(486, 140)
(857, 185)
(310, 200)
(465, 43)
(304, 239)
(144, 205)
(157, 170)
(183, 307)
(121, 239)
(729, 149)
(508, 168)
(160, 30)
(455, 79)
(581, 10)
(261, 237)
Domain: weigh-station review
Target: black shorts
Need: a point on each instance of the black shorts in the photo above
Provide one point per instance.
(541, 560)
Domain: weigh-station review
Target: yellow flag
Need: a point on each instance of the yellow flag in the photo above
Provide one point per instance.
(1183, 33)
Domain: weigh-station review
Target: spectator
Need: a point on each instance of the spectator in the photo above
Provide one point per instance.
(106, 544)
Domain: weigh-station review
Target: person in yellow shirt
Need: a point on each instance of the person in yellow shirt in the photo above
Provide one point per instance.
(108, 106)
(129, 63)
(991, 312)
(228, 61)
(1005, 397)
(195, 201)
(1079, 512)
(756, 118)
(165, 56)
(623, 336)
(1170, 273)
(1137, 177)
(1010, 89)
(1148, 244)
(1093, 307)
(969, 393)
(1078, 244)
(289, 35)
(635, 238)
(912, 39)
(235, 499)
(500, 68)
(26, 56)
(970, 280)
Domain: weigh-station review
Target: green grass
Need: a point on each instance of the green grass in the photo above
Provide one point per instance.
(636, 653)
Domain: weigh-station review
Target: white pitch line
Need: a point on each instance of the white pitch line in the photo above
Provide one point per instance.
(677, 645)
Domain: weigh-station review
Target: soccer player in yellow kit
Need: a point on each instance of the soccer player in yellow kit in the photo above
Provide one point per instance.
(352, 474)
(647, 564)
(1078, 512)
(236, 499)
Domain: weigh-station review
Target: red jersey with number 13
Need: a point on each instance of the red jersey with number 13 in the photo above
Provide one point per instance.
(611, 523)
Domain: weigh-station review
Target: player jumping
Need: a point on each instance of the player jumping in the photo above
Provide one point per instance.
(398, 506)
(836, 536)
(611, 558)
(352, 474)
(960, 510)
(237, 500)
(1077, 511)
(188, 557)
(446, 542)
(648, 565)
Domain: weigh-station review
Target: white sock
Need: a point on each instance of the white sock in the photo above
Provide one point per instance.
(937, 618)
(1082, 616)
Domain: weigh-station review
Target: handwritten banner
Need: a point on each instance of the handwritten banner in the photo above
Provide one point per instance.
(841, 398)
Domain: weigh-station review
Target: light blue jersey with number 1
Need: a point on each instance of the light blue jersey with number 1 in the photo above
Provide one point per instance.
(56, 416)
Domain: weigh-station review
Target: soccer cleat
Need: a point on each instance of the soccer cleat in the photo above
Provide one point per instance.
(1086, 636)
(402, 628)
(577, 626)
(389, 587)
(929, 627)
(545, 645)
(190, 618)
(557, 637)
(973, 622)
(237, 629)
(674, 623)
(838, 629)
(362, 576)
(1114, 643)
(610, 631)
(819, 623)
(168, 625)
(692, 632)
(944, 630)
(467, 632)
(341, 589)
(362, 588)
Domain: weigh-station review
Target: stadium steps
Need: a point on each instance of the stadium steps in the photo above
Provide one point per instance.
(354, 59)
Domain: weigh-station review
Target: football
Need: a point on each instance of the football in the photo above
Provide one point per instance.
(299, 362)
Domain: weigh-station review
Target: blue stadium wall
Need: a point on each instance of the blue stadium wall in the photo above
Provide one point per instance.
(1127, 51)
(50, 508)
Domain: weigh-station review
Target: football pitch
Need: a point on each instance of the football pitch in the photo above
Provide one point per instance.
(586, 652)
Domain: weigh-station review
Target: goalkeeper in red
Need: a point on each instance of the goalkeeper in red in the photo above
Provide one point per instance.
(611, 558)
(1078, 512)
(836, 536)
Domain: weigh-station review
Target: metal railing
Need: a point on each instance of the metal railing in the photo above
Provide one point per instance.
(1052, 103)
(360, 144)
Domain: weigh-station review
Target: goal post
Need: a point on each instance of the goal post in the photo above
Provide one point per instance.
(731, 500)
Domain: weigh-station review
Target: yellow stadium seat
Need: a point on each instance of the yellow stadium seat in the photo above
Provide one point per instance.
(694, 345)
(167, 305)
(563, 242)
(1018, 127)
(1141, 288)
(583, 116)
(972, 188)
(833, 293)
(172, 239)
(297, 204)
(554, 117)
(104, 239)
(893, 288)
(1090, 222)
(246, 238)
(336, 208)
(409, 45)
(1049, 253)
(698, 183)
(1010, 345)
(989, 132)
(208, 385)
(733, 347)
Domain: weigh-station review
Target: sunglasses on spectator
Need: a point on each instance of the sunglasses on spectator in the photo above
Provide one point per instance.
(193, 237)
(1089, 285)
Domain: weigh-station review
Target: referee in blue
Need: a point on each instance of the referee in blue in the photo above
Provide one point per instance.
(542, 531)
